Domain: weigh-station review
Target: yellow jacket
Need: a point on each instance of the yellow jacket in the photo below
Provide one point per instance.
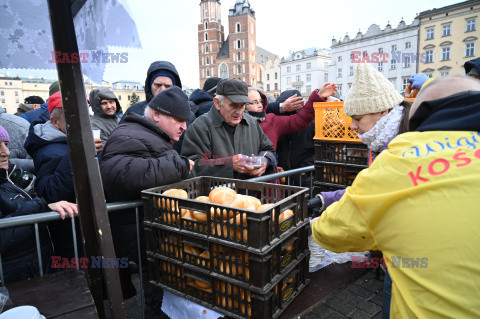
(419, 203)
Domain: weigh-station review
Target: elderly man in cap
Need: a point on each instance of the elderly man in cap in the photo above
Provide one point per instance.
(220, 141)
(139, 155)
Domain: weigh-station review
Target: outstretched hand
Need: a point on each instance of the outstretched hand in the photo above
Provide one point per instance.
(293, 103)
(328, 89)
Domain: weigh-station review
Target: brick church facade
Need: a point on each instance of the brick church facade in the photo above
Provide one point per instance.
(237, 56)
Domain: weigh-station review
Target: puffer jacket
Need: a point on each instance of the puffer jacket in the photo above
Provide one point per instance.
(101, 121)
(17, 244)
(203, 102)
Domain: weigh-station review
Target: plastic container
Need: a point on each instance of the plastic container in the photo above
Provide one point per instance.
(258, 232)
(326, 187)
(213, 257)
(331, 123)
(223, 294)
(341, 153)
(336, 174)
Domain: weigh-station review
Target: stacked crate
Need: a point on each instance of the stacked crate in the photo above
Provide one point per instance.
(252, 268)
(339, 154)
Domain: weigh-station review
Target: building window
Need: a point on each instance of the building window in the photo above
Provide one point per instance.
(380, 66)
(444, 73)
(351, 70)
(268, 87)
(127, 87)
(119, 97)
(276, 75)
(239, 56)
(16, 93)
(206, 48)
(3, 100)
(239, 69)
(340, 89)
(309, 65)
(325, 77)
(2, 93)
(408, 45)
(289, 69)
(406, 62)
(393, 64)
(17, 100)
(238, 27)
(276, 86)
(380, 50)
(207, 61)
(429, 34)
(429, 56)
(394, 48)
(469, 49)
(309, 89)
(429, 75)
(365, 54)
(309, 77)
(206, 36)
(298, 67)
(239, 44)
(206, 25)
(208, 72)
(339, 72)
(128, 97)
(339, 59)
(223, 71)
(471, 25)
(289, 80)
(446, 30)
(268, 78)
(298, 78)
(445, 54)
(404, 84)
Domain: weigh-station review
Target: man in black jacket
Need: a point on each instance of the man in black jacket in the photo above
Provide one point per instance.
(139, 155)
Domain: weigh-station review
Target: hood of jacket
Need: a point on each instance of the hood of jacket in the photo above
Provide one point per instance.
(199, 96)
(154, 68)
(99, 94)
(472, 64)
(41, 134)
(457, 112)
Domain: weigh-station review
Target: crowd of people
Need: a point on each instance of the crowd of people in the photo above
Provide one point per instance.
(415, 200)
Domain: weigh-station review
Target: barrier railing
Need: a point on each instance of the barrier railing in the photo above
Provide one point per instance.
(36, 219)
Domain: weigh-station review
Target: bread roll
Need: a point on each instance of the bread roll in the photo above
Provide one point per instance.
(220, 194)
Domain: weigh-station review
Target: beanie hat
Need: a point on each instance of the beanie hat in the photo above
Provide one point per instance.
(54, 101)
(371, 92)
(287, 94)
(33, 100)
(54, 88)
(4, 135)
(210, 85)
(166, 73)
(173, 102)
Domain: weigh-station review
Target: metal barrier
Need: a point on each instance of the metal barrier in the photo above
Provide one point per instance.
(52, 216)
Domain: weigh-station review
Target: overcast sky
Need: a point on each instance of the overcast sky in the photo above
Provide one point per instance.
(168, 29)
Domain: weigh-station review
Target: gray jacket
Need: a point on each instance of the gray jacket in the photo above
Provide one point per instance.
(17, 129)
(208, 144)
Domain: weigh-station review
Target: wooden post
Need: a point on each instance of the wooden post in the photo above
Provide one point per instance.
(97, 237)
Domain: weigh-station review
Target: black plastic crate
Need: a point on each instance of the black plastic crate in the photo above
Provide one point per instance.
(326, 187)
(222, 294)
(335, 174)
(213, 257)
(255, 230)
(341, 153)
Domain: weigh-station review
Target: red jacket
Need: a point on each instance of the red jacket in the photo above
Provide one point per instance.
(275, 126)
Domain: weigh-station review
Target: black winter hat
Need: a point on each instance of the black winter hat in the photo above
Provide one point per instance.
(286, 94)
(472, 65)
(34, 99)
(210, 85)
(173, 102)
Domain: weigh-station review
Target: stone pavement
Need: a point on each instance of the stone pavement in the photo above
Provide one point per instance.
(361, 299)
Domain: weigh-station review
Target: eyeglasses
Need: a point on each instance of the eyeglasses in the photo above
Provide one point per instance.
(256, 102)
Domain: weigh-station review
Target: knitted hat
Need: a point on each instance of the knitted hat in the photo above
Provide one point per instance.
(4, 135)
(54, 101)
(166, 73)
(210, 85)
(34, 99)
(173, 102)
(54, 88)
(371, 92)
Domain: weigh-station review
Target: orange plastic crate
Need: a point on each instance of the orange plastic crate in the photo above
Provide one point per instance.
(331, 123)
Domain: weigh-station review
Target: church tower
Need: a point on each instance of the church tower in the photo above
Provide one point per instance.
(243, 43)
(210, 38)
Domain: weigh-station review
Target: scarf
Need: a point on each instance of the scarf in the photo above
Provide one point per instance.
(384, 130)
(260, 116)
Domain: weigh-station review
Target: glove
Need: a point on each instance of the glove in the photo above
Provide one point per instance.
(417, 80)
(315, 206)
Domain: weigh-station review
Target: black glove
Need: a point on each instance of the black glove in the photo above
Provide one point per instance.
(315, 207)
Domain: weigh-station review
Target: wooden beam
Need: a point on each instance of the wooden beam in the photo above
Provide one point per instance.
(86, 173)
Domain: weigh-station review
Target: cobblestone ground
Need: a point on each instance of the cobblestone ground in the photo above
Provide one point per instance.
(360, 300)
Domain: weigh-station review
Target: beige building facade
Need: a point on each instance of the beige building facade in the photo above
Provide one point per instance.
(448, 37)
(10, 93)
